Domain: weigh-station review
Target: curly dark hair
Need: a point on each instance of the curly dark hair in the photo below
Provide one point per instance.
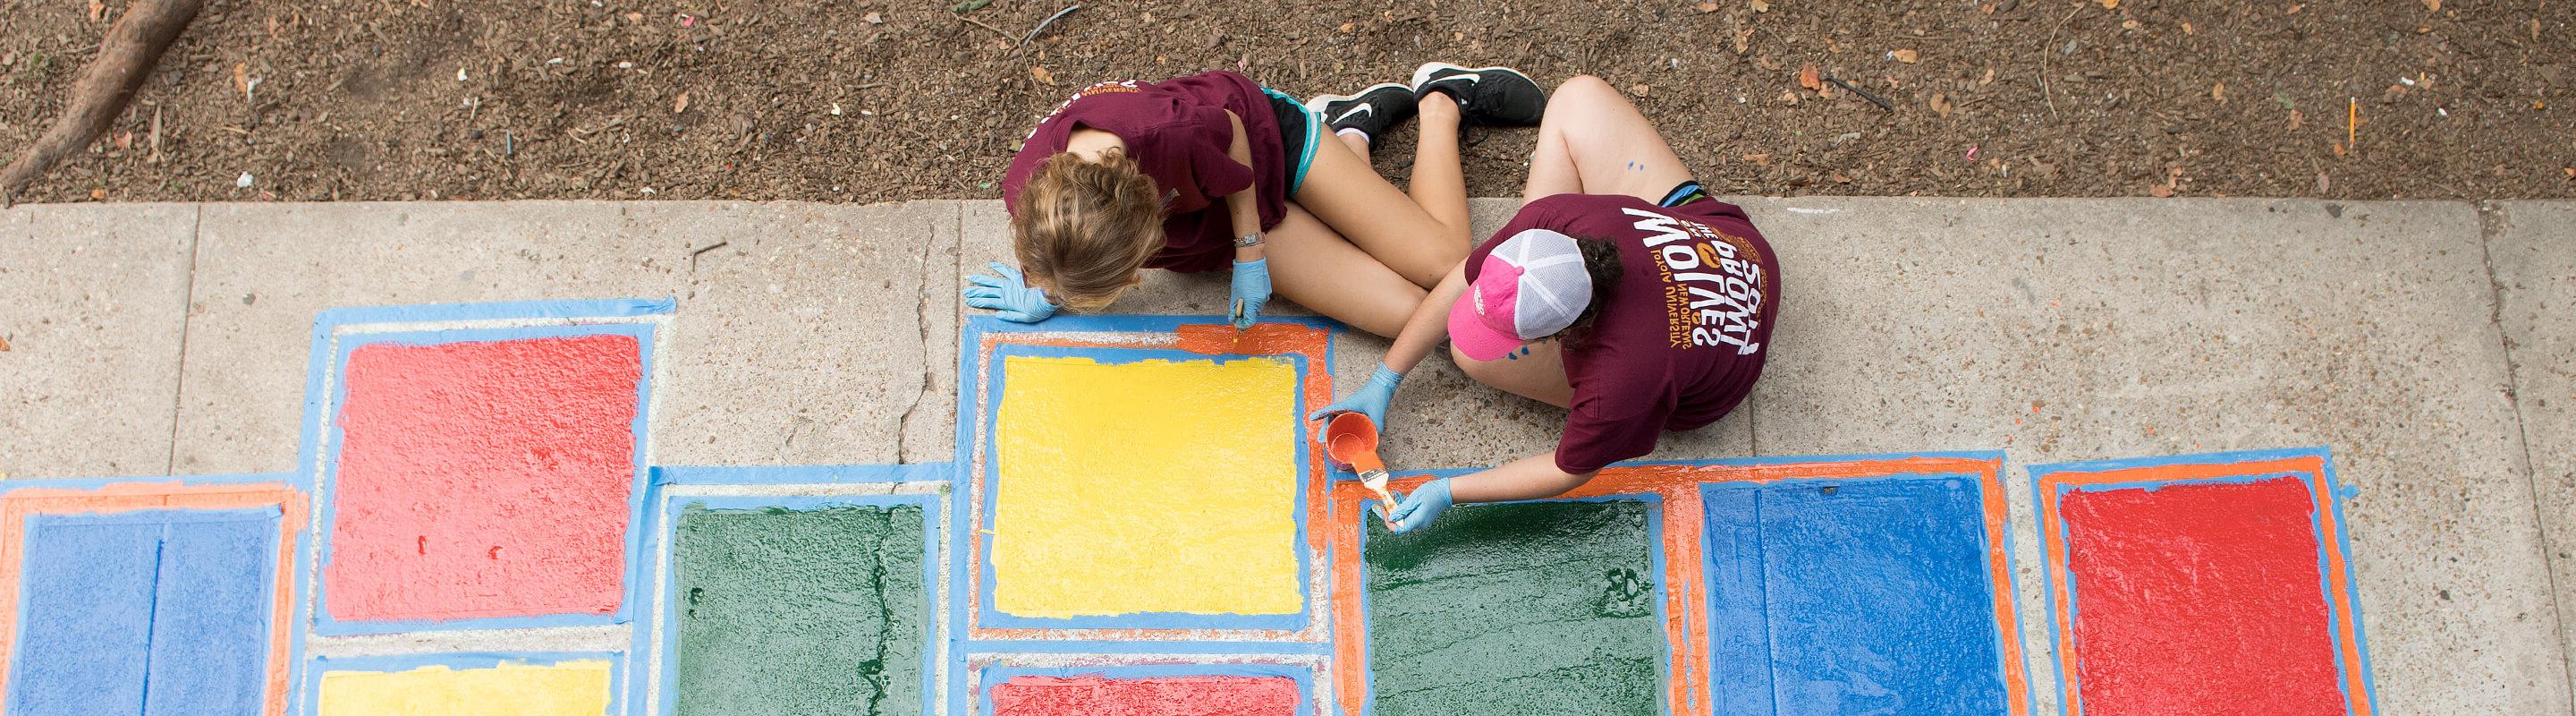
(1601, 260)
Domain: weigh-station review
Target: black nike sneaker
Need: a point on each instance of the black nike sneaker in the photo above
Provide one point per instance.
(1496, 96)
(1372, 111)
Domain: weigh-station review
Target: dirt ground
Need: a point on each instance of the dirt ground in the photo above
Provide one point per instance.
(870, 100)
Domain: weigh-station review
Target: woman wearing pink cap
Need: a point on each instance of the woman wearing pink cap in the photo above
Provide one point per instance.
(1621, 291)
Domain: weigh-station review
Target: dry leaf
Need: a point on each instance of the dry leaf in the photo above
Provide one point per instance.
(1639, 89)
(2109, 4)
(97, 10)
(2160, 191)
(1840, 178)
(681, 104)
(1708, 7)
(98, 194)
(1761, 5)
(2129, 24)
(4, 345)
(2218, 92)
(2294, 9)
(1788, 98)
(2571, 174)
(2186, 28)
(241, 78)
(2323, 184)
(2296, 119)
(1743, 39)
(1759, 160)
(2433, 5)
(1811, 78)
(1042, 75)
(874, 19)
(1347, 27)
(1989, 78)
(1905, 56)
(1940, 104)
(2339, 150)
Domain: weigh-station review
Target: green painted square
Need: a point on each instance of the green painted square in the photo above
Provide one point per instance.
(1521, 609)
(813, 611)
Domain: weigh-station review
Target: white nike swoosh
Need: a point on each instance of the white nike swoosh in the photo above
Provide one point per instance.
(1466, 77)
(1355, 112)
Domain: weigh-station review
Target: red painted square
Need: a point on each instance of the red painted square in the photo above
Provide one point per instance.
(481, 480)
(1154, 696)
(2200, 599)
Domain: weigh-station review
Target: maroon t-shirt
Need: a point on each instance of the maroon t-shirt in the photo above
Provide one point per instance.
(1681, 339)
(1177, 132)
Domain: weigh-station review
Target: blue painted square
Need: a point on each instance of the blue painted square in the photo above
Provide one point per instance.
(1852, 596)
(152, 612)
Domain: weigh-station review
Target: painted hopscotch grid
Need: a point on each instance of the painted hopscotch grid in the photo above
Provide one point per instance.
(25, 501)
(992, 675)
(337, 333)
(1110, 340)
(1679, 545)
(799, 488)
(308, 699)
(2312, 468)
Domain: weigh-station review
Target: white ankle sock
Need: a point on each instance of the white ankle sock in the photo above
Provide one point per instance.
(1364, 136)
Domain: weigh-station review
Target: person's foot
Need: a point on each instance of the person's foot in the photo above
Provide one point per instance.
(1371, 112)
(1497, 96)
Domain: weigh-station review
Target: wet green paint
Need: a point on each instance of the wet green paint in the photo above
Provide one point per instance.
(1518, 609)
(800, 612)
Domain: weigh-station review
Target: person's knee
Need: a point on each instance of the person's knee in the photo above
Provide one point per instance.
(1476, 370)
(1583, 90)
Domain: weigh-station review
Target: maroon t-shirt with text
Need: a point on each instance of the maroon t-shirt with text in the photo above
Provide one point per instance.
(1177, 132)
(1681, 339)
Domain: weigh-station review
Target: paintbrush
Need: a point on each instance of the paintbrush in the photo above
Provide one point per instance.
(1350, 442)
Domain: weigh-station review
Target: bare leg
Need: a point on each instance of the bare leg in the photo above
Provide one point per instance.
(1314, 266)
(1356, 144)
(1537, 375)
(1594, 142)
(1418, 236)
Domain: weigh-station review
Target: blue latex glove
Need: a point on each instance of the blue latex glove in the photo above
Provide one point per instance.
(1251, 290)
(1009, 295)
(1419, 508)
(1370, 399)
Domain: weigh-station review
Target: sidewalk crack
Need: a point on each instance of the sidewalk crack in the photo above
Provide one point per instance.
(2492, 222)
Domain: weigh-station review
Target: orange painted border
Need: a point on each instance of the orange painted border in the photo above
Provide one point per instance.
(1685, 577)
(1266, 339)
(16, 506)
(2329, 541)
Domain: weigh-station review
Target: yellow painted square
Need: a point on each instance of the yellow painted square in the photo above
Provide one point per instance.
(571, 688)
(1147, 486)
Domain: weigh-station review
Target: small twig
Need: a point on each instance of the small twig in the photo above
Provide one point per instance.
(1864, 94)
(868, 86)
(1042, 25)
(979, 23)
(969, 6)
(2045, 94)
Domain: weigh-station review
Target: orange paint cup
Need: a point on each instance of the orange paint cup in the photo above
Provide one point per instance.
(1350, 444)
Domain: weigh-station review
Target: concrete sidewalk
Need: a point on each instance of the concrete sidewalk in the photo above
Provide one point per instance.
(2428, 344)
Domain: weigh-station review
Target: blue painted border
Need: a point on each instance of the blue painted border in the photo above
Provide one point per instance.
(326, 624)
(583, 317)
(668, 646)
(802, 474)
(308, 700)
(2044, 502)
(989, 676)
(990, 478)
(2007, 641)
(1655, 561)
(298, 608)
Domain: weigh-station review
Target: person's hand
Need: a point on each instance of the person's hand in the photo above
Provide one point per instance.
(1008, 295)
(1251, 290)
(1370, 400)
(1420, 507)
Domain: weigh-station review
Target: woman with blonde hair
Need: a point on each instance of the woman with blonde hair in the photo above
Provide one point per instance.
(1211, 171)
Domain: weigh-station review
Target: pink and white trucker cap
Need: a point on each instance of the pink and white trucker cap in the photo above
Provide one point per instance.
(1530, 287)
